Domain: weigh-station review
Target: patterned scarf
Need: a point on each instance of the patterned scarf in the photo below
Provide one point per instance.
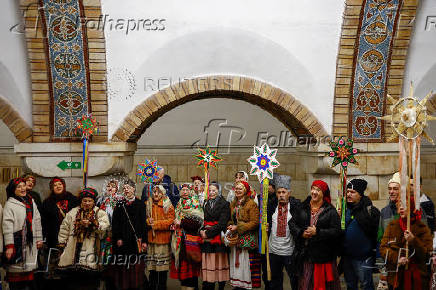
(63, 208)
(189, 207)
(80, 231)
(28, 202)
(282, 220)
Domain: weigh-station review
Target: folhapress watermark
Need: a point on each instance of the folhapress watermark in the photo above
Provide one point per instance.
(103, 22)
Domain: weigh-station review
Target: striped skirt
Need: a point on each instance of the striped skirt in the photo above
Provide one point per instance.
(158, 257)
(215, 267)
(255, 268)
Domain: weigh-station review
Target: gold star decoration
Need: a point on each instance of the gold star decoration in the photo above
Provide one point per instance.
(408, 116)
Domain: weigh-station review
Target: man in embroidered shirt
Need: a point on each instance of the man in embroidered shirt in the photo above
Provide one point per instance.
(281, 243)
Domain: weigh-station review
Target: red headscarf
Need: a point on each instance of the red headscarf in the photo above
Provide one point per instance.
(247, 187)
(324, 188)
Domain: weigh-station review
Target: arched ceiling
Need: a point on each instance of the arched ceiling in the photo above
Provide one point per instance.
(290, 44)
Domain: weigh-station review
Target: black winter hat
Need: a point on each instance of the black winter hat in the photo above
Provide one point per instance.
(358, 185)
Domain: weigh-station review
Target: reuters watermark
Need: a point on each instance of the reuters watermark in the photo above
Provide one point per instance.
(152, 84)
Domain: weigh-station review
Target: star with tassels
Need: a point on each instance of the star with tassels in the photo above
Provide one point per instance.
(87, 126)
(343, 153)
(408, 116)
(263, 162)
(148, 171)
(207, 158)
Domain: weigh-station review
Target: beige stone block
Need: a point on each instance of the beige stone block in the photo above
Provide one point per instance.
(382, 165)
(290, 169)
(383, 186)
(182, 173)
(359, 169)
(300, 190)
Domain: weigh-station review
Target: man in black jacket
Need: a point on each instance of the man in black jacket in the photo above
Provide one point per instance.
(281, 243)
(360, 239)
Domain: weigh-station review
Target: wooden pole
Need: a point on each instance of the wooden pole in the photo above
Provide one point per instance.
(409, 172)
(268, 268)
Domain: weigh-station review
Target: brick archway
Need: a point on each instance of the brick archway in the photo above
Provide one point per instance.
(15, 122)
(294, 115)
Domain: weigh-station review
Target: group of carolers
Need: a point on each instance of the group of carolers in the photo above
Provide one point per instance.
(118, 237)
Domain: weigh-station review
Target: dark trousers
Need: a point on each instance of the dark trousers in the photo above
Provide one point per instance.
(24, 285)
(264, 273)
(277, 264)
(358, 270)
(211, 286)
(158, 280)
(191, 282)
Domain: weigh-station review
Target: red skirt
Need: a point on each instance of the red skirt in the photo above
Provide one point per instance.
(185, 271)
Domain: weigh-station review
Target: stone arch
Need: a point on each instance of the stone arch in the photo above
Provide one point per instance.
(286, 108)
(15, 123)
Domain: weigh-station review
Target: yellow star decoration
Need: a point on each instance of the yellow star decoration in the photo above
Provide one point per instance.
(409, 116)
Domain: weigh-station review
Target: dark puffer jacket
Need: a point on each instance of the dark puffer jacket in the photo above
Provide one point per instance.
(324, 246)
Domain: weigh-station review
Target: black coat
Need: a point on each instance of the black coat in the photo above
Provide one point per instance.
(272, 206)
(122, 230)
(219, 213)
(324, 246)
(51, 217)
(428, 208)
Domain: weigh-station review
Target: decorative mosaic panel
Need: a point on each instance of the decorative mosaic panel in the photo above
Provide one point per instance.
(67, 55)
(378, 23)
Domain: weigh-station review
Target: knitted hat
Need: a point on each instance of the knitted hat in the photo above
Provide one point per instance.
(13, 183)
(88, 192)
(324, 188)
(395, 178)
(283, 181)
(358, 185)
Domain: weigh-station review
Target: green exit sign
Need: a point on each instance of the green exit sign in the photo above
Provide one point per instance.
(69, 165)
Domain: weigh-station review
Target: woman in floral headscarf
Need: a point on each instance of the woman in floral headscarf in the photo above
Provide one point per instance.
(186, 264)
(242, 237)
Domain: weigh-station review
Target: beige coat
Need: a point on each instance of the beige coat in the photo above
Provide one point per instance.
(14, 220)
(88, 257)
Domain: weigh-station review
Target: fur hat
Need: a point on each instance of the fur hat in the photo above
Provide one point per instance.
(358, 185)
(282, 181)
